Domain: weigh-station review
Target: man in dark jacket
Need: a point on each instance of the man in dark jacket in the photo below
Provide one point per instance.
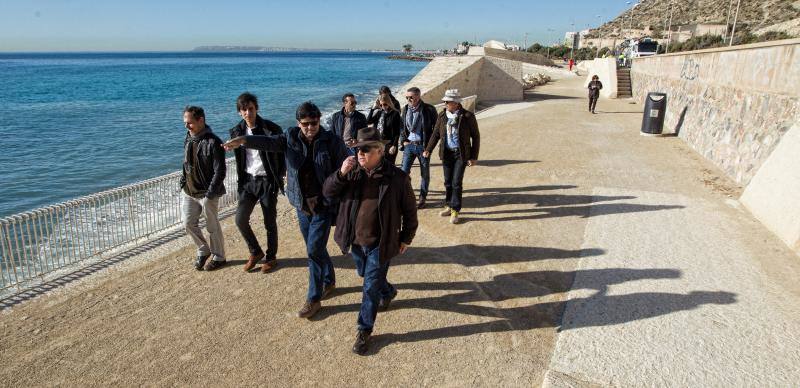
(347, 121)
(312, 154)
(377, 219)
(260, 176)
(418, 121)
(203, 183)
(461, 140)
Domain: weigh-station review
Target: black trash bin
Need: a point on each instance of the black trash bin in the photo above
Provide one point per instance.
(655, 107)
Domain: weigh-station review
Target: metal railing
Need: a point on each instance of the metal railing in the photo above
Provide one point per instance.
(39, 242)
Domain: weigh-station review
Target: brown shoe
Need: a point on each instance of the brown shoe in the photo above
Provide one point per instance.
(309, 309)
(327, 290)
(252, 260)
(421, 203)
(269, 265)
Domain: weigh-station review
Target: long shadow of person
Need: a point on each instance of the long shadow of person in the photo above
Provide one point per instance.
(512, 289)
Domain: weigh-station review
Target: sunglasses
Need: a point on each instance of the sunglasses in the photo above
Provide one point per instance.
(366, 149)
(309, 123)
(409, 98)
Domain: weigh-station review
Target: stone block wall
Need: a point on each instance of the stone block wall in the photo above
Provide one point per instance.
(444, 73)
(491, 79)
(500, 80)
(732, 105)
(520, 56)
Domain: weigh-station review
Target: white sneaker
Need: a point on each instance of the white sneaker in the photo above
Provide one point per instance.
(453, 217)
(445, 212)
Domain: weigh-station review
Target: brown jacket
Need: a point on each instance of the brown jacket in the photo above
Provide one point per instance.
(397, 206)
(469, 138)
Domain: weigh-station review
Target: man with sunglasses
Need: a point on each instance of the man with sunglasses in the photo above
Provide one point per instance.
(312, 154)
(348, 120)
(418, 121)
(377, 220)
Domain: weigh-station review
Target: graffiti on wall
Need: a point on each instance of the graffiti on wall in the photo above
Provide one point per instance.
(690, 69)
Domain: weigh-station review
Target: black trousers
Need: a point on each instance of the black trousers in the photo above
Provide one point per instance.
(390, 157)
(258, 190)
(593, 102)
(453, 168)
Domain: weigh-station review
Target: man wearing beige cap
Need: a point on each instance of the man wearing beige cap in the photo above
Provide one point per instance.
(458, 130)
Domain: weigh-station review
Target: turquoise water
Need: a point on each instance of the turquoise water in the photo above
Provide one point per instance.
(79, 123)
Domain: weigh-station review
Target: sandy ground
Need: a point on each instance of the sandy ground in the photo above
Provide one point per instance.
(479, 303)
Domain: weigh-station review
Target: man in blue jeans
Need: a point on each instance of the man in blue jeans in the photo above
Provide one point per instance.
(418, 121)
(312, 154)
(377, 219)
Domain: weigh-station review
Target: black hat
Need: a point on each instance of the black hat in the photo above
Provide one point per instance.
(368, 136)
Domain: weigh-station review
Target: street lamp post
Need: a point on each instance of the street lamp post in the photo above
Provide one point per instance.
(572, 51)
(599, 35)
(735, 17)
(630, 11)
(669, 28)
(728, 20)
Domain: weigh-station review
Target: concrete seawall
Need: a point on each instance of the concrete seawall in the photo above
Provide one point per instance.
(490, 78)
(734, 106)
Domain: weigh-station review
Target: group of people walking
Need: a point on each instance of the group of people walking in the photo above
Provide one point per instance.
(344, 176)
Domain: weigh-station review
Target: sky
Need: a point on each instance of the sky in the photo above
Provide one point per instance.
(147, 25)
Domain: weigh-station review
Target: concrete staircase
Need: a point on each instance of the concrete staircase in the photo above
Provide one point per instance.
(624, 83)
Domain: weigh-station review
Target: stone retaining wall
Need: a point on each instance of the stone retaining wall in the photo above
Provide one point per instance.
(519, 56)
(732, 105)
(489, 78)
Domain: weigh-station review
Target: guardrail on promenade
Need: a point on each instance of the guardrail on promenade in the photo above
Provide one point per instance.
(39, 242)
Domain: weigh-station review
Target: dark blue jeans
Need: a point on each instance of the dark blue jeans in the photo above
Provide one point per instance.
(453, 168)
(414, 151)
(316, 230)
(368, 265)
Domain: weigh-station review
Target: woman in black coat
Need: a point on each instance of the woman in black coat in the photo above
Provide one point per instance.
(388, 123)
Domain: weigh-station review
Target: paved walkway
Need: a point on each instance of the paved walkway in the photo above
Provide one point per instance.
(589, 255)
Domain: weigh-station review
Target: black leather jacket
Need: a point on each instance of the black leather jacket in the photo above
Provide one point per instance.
(210, 168)
(274, 162)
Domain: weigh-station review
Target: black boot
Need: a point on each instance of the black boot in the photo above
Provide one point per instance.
(361, 345)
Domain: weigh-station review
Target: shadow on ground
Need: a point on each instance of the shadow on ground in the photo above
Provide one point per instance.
(485, 299)
(544, 205)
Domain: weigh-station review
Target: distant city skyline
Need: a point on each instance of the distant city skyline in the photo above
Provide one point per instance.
(82, 25)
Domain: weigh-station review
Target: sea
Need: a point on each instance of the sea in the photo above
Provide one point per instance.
(72, 124)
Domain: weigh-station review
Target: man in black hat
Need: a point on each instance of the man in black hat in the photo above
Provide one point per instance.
(377, 220)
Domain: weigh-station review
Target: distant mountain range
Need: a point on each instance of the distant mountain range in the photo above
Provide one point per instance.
(269, 49)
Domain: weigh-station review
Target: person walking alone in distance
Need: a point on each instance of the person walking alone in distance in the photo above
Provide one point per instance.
(377, 220)
(203, 183)
(312, 154)
(260, 177)
(594, 92)
(458, 129)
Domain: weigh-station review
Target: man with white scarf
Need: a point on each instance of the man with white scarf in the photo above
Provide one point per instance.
(458, 129)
